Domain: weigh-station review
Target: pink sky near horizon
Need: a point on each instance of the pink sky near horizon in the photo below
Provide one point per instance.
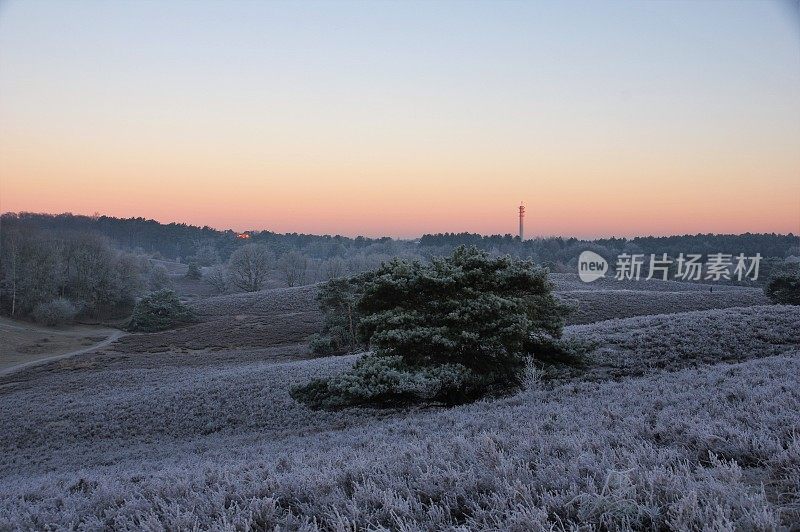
(618, 119)
(595, 197)
(410, 208)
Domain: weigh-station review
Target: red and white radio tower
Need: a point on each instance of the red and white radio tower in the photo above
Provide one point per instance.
(521, 221)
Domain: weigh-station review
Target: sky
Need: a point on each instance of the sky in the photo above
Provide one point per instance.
(404, 118)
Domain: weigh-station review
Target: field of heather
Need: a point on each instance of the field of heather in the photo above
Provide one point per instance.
(684, 416)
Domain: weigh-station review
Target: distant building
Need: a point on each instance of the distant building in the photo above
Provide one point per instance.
(243, 235)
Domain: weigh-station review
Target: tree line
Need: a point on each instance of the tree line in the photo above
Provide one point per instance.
(184, 242)
(98, 265)
(56, 275)
(208, 246)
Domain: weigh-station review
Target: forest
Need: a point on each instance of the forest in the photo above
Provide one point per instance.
(177, 241)
(56, 267)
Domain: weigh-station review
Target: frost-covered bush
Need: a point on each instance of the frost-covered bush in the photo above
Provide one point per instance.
(159, 278)
(159, 311)
(545, 349)
(194, 272)
(320, 344)
(784, 288)
(389, 381)
(459, 325)
(56, 312)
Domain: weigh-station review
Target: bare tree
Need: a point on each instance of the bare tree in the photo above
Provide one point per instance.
(294, 266)
(11, 267)
(130, 278)
(217, 277)
(249, 266)
(334, 268)
(31, 270)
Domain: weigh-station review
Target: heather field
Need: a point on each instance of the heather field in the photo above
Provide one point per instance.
(570, 281)
(280, 317)
(684, 416)
(277, 318)
(590, 306)
(715, 446)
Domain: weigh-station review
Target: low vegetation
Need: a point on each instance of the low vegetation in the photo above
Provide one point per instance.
(589, 306)
(244, 323)
(646, 344)
(159, 311)
(210, 447)
(194, 272)
(56, 312)
(784, 288)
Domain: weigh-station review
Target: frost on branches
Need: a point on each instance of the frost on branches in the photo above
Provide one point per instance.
(450, 332)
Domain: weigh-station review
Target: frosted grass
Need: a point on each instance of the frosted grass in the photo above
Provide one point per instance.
(672, 442)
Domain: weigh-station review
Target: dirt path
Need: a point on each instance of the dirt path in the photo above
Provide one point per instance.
(108, 341)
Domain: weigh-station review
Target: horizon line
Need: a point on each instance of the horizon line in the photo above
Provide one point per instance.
(398, 238)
